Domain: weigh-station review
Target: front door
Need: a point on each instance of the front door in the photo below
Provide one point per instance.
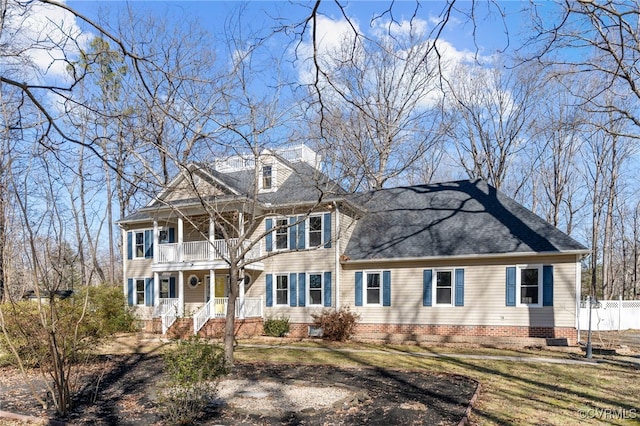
(220, 288)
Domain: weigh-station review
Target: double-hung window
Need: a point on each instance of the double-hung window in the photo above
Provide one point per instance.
(138, 249)
(444, 286)
(139, 285)
(530, 285)
(282, 289)
(267, 177)
(315, 231)
(282, 234)
(315, 289)
(164, 288)
(373, 290)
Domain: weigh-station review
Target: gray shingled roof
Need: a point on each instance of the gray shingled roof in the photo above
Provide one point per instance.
(449, 219)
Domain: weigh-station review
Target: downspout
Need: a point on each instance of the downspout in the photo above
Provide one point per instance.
(337, 255)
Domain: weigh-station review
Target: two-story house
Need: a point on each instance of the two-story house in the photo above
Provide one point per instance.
(456, 258)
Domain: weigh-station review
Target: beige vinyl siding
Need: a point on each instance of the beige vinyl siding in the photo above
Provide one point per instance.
(318, 260)
(484, 295)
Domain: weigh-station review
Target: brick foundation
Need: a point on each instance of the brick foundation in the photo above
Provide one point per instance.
(399, 332)
(253, 327)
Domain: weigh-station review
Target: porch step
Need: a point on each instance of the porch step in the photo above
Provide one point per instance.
(182, 328)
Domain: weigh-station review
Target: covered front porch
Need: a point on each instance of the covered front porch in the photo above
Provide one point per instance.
(201, 295)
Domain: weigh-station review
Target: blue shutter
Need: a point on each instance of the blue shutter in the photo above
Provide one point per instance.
(130, 291)
(293, 236)
(172, 287)
(358, 288)
(269, 238)
(327, 230)
(301, 233)
(427, 275)
(459, 300)
(148, 291)
(148, 244)
(547, 285)
(386, 288)
(302, 291)
(511, 286)
(129, 245)
(172, 235)
(327, 289)
(269, 290)
(293, 301)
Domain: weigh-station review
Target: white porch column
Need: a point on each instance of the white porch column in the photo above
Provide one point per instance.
(180, 238)
(156, 241)
(181, 293)
(156, 289)
(241, 294)
(212, 285)
(212, 238)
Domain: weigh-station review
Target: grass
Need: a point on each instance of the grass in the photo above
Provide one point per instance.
(511, 392)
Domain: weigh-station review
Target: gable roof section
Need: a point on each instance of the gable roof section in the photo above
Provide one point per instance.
(463, 218)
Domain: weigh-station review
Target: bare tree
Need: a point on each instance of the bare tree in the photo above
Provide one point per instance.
(492, 113)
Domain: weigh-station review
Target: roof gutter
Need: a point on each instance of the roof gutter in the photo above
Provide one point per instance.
(466, 256)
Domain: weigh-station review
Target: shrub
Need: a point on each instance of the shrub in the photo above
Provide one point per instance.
(192, 370)
(276, 327)
(109, 310)
(336, 325)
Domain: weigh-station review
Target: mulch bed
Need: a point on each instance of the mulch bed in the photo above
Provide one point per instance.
(121, 390)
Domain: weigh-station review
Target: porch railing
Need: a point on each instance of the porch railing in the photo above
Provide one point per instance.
(168, 318)
(164, 305)
(217, 308)
(201, 317)
(199, 250)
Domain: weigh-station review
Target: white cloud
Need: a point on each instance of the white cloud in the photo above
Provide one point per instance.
(39, 40)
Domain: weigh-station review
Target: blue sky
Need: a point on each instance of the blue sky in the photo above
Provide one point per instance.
(489, 32)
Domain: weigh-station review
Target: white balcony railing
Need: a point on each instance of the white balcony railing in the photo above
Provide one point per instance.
(164, 306)
(191, 251)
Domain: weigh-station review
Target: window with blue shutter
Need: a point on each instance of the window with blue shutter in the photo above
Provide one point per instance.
(302, 291)
(386, 288)
(327, 230)
(293, 300)
(269, 290)
(293, 234)
(511, 286)
(269, 237)
(459, 287)
(130, 246)
(547, 285)
(172, 287)
(130, 291)
(358, 288)
(148, 291)
(148, 244)
(427, 275)
(327, 289)
(301, 233)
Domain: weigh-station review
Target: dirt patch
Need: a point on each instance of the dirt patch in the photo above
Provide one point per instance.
(122, 391)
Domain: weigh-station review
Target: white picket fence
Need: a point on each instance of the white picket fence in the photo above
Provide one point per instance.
(608, 315)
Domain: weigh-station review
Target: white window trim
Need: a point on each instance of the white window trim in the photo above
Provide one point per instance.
(308, 290)
(434, 288)
(307, 239)
(275, 290)
(135, 291)
(134, 255)
(519, 269)
(168, 280)
(274, 185)
(365, 294)
(287, 229)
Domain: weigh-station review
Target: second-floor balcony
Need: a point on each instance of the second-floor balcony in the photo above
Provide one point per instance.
(194, 251)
